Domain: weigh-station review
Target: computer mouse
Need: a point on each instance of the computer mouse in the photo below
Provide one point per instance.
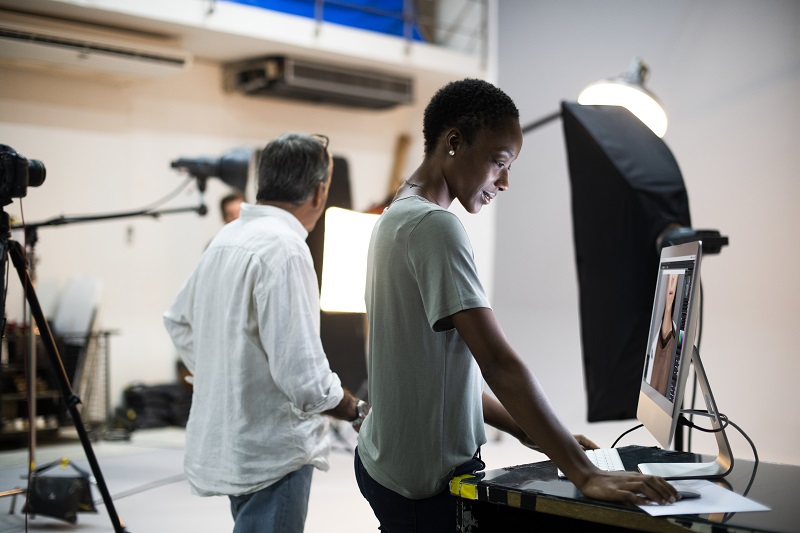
(688, 495)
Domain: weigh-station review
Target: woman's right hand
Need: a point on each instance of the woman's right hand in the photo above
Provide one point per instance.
(633, 487)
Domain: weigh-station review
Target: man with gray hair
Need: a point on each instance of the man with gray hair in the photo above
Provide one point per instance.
(246, 324)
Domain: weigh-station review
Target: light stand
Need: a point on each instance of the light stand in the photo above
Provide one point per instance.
(628, 199)
(14, 249)
(16, 175)
(31, 239)
(232, 168)
(536, 124)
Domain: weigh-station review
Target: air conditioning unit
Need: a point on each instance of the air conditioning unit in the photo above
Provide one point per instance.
(28, 40)
(316, 81)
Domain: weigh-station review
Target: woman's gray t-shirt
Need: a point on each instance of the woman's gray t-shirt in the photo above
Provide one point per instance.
(424, 385)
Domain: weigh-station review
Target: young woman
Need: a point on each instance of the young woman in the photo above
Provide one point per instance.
(434, 337)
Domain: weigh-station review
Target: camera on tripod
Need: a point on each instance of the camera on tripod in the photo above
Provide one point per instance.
(17, 174)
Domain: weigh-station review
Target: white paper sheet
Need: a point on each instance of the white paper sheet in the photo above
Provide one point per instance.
(713, 499)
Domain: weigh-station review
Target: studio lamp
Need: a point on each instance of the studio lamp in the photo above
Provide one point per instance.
(628, 200)
(626, 90)
(231, 168)
(344, 263)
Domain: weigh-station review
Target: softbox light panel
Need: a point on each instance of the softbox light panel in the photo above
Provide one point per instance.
(342, 334)
(626, 188)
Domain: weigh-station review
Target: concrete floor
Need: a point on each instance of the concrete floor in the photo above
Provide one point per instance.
(144, 476)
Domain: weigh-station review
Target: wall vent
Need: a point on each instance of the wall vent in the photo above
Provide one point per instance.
(314, 81)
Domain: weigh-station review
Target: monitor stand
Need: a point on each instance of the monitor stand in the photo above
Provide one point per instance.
(722, 465)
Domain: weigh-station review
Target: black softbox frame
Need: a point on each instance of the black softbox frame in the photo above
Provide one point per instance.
(626, 189)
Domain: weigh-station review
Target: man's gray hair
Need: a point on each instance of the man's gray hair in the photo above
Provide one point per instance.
(290, 168)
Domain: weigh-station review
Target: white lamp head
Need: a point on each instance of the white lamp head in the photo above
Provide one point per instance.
(628, 91)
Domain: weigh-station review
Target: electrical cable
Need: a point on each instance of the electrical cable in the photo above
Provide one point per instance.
(625, 433)
(690, 424)
(147, 486)
(728, 516)
(149, 210)
(727, 422)
(146, 210)
(169, 196)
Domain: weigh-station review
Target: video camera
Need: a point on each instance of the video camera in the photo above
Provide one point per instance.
(17, 174)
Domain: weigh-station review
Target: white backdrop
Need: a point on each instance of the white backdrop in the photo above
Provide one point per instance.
(728, 73)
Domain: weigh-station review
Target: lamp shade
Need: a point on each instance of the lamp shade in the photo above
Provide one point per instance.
(344, 263)
(628, 91)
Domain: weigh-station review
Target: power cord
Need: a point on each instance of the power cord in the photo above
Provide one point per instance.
(634, 428)
(725, 423)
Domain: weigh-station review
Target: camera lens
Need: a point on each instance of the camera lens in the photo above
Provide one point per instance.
(36, 172)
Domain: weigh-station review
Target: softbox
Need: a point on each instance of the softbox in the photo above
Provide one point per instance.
(626, 188)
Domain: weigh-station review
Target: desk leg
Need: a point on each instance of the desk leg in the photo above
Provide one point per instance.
(482, 517)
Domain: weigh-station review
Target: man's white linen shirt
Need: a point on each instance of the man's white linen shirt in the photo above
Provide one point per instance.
(246, 324)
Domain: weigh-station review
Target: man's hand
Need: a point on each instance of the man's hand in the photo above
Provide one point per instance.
(350, 409)
(362, 408)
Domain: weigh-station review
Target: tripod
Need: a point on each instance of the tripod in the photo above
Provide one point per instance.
(9, 247)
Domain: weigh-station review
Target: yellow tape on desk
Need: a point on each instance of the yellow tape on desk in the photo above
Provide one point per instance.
(468, 491)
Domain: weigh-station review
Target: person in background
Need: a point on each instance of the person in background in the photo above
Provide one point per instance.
(246, 324)
(434, 338)
(230, 206)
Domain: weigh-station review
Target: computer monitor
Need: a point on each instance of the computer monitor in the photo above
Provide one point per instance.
(671, 348)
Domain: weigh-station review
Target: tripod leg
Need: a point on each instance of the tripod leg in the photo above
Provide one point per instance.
(72, 401)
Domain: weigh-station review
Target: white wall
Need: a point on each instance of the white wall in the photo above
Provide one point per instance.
(107, 146)
(728, 73)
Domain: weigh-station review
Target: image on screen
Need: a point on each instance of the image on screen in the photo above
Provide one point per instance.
(669, 352)
(668, 330)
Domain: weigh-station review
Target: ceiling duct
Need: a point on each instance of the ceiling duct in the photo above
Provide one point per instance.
(314, 81)
(50, 43)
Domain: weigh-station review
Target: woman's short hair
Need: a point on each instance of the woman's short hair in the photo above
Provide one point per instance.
(291, 167)
(470, 105)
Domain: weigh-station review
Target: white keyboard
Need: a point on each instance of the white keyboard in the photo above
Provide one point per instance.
(603, 458)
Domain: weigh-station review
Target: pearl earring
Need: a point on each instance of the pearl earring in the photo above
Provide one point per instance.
(452, 152)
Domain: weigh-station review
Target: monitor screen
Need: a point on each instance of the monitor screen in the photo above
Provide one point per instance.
(672, 348)
(670, 345)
